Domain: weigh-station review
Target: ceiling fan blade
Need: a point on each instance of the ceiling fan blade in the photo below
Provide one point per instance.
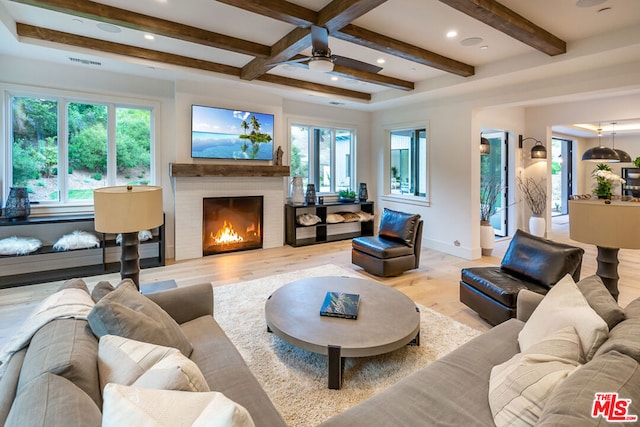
(320, 39)
(355, 64)
(291, 61)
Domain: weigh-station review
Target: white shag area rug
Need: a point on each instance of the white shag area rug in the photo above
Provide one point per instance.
(296, 379)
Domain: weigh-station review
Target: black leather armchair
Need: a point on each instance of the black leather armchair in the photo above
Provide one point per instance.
(531, 263)
(395, 249)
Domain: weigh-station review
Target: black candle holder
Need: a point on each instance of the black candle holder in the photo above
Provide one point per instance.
(363, 194)
(311, 194)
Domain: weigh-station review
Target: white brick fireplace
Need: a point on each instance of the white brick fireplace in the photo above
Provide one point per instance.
(189, 192)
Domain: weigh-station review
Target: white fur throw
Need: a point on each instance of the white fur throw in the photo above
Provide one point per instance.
(142, 236)
(77, 240)
(19, 245)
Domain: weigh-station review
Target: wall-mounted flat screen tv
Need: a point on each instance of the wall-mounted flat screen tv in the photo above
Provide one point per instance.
(219, 133)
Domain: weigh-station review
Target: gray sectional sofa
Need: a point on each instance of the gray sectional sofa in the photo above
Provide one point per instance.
(68, 349)
(452, 391)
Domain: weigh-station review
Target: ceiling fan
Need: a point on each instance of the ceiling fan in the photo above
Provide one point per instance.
(321, 59)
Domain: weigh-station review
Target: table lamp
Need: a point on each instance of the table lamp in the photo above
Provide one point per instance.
(128, 210)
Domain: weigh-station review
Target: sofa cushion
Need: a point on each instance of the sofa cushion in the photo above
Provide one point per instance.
(64, 347)
(624, 338)
(9, 383)
(563, 306)
(520, 387)
(53, 401)
(632, 310)
(571, 403)
(74, 284)
(540, 260)
(398, 226)
(498, 284)
(129, 362)
(134, 406)
(381, 247)
(127, 313)
(601, 300)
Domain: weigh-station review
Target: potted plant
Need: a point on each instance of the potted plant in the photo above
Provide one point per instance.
(605, 178)
(347, 195)
(535, 195)
(636, 162)
(490, 191)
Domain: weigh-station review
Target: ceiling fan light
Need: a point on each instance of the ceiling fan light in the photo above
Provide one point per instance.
(601, 154)
(321, 65)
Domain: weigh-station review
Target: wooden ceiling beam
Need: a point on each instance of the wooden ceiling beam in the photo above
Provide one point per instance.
(277, 9)
(501, 18)
(339, 13)
(45, 34)
(136, 21)
(372, 40)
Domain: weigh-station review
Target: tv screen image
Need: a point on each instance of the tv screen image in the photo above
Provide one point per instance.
(219, 133)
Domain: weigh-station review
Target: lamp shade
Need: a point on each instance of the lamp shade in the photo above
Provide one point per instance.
(538, 151)
(601, 154)
(624, 156)
(127, 209)
(485, 146)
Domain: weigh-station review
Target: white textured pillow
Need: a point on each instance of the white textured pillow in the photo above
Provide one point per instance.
(142, 236)
(130, 362)
(19, 245)
(77, 240)
(365, 216)
(564, 305)
(519, 388)
(308, 219)
(126, 406)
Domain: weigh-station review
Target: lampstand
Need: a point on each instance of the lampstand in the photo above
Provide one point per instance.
(609, 226)
(128, 210)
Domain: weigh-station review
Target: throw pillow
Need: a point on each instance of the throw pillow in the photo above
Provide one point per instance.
(308, 219)
(101, 289)
(142, 236)
(19, 245)
(564, 305)
(624, 338)
(571, 403)
(520, 387)
(126, 406)
(601, 300)
(130, 362)
(350, 216)
(334, 218)
(127, 313)
(77, 240)
(53, 401)
(632, 310)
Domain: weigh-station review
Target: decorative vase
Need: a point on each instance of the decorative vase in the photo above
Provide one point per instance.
(363, 194)
(487, 238)
(297, 194)
(311, 194)
(18, 205)
(537, 226)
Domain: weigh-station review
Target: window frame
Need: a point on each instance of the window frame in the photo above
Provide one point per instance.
(314, 151)
(407, 198)
(64, 98)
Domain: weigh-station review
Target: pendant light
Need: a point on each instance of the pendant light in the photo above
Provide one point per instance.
(600, 153)
(624, 156)
(485, 145)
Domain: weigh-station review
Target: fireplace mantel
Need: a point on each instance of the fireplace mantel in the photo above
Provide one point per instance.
(205, 169)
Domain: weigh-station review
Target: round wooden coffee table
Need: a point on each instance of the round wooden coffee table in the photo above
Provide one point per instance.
(387, 320)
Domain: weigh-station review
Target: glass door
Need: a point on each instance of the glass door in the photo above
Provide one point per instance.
(561, 171)
(493, 168)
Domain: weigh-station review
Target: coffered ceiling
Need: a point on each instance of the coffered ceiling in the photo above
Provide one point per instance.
(241, 40)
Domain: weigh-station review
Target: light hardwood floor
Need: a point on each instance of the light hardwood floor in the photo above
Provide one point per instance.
(434, 284)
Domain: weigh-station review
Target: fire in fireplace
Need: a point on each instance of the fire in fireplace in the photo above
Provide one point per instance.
(231, 224)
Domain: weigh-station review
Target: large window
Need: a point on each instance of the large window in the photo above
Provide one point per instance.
(62, 149)
(323, 156)
(409, 162)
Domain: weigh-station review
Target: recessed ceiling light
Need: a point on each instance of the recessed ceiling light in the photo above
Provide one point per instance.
(471, 41)
(380, 61)
(108, 27)
(334, 78)
(149, 36)
(485, 47)
(451, 34)
(589, 3)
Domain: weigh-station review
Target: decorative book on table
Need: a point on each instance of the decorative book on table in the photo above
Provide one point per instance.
(340, 304)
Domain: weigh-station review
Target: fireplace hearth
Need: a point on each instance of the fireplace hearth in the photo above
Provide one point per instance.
(231, 224)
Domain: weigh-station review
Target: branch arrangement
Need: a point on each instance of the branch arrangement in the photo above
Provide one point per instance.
(535, 194)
